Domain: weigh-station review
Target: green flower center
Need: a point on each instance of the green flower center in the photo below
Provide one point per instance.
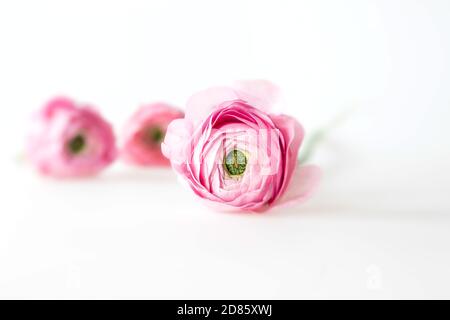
(153, 136)
(76, 144)
(235, 162)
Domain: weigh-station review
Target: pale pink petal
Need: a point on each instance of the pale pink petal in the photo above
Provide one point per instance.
(260, 94)
(176, 141)
(293, 134)
(303, 183)
(200, 105)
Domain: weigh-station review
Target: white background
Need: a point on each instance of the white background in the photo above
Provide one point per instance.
(379, 225)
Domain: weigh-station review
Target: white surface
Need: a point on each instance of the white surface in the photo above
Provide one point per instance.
(379, 226)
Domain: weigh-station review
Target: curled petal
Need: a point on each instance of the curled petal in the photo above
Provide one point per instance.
(293, 133)
(177, 141)
(55, 105)
(200, 105)
(261, 94)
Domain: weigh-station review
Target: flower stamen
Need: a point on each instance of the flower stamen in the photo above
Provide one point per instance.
(77, 144)
(153, 136)
(235, 163)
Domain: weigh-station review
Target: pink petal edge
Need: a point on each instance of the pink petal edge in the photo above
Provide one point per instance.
(177, 136)
(200, 105)
(262, 94)
(304, 182)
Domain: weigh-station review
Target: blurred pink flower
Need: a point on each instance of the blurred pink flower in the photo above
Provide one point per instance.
(144, 133)
(233, 153)
(67, 140)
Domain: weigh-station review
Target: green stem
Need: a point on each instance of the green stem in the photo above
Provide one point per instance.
(20, 158)
(311, 145)
(318, 136)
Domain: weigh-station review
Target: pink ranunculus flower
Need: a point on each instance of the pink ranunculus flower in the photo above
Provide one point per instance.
(67, 140)
(144, 133)
(235, 154)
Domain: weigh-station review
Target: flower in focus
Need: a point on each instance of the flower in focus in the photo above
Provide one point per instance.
(67, 140)
(145, 132)
(233, 153)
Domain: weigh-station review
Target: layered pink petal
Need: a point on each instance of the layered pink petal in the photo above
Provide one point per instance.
(220, 121)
